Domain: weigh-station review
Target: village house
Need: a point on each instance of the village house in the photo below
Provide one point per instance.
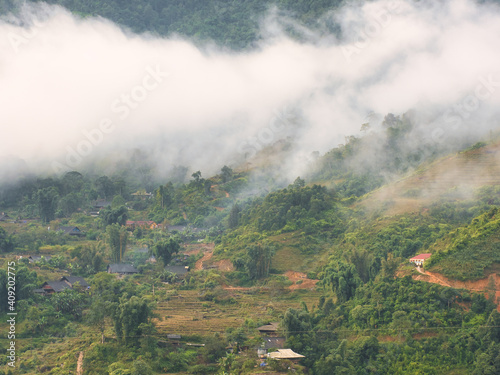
(420, 259)
(286, 354)
(270, 329)
(270, 343)
(270, 339)
(65, 282)
(73, 281)
(101, 204)
(177, 270)
(141, 195)
(72, 231)
(122, 269)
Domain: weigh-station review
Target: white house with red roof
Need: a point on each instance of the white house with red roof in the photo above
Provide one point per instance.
(419, 260)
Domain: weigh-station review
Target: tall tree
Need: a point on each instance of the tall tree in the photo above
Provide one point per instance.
(342, 278)
(164, 249)
(258, 260)
(6, 241)
(47, 203)
(234, 217)
(227, 173)
(117, 238)
(105, 187)
(117, 215)
(129, 316)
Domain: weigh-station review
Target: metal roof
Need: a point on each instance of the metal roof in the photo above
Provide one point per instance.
(285, 354)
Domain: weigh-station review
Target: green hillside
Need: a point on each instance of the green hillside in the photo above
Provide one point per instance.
(176, 272)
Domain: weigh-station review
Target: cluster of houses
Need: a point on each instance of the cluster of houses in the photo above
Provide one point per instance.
(272, 340)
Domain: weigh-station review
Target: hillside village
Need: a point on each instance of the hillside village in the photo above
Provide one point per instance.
(245, 294)
(249, 188)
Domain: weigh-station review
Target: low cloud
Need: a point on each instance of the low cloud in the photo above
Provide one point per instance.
(62, 78)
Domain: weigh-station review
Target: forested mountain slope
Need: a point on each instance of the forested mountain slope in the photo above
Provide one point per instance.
(233, 24)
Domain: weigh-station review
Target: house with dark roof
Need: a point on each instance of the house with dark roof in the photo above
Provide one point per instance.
(122, 269)
(177, 270)
(268, 344)
(274, 342)
(101, 204)
(72, 231)
(51, 287)
(72, 280)
(270, 329)
(65, 282)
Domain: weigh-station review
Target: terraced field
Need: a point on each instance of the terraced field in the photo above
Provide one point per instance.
(186, 314)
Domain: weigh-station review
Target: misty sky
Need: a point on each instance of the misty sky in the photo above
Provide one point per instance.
(74, 91)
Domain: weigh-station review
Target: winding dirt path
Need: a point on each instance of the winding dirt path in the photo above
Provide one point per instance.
(481, 285)
(199, 263)
(79, 364)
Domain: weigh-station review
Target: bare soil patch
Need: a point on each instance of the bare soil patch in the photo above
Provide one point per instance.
(295, 276)
(480, 286)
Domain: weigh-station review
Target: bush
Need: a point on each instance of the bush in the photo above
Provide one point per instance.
(281, 366)
(202, 370)
(312, 275)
